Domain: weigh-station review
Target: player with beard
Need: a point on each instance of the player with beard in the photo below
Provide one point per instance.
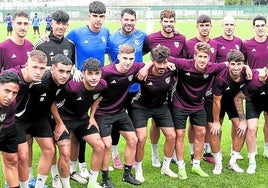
(151, 102)
(176, 43)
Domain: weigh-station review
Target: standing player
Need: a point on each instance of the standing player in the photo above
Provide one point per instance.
(9, 88)
(226, 42)
(195, 76)
(36, 24)
(127, 34)
(151, 102)
(111, 111)
(48, 22)
(226, 85)
(255, 92)
(93, 41)
(8, 20)
(203, 26)
(256, 54)
(72, 120)
(176, 42)
(34, 119)
(14, 51)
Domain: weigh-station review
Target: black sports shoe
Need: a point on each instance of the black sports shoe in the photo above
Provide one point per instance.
(107, 184)
(130, 179)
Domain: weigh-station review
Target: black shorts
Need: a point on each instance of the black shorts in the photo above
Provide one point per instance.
(106, 122)
(10, 29)
(79, 128)
(38, 128)
(254, 109)
(209, 110)
(48, 27)
(180, 116)
(36, 28)
(161, 115)
(9, 139)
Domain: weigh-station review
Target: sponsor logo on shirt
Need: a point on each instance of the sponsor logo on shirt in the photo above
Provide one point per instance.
(150, 84)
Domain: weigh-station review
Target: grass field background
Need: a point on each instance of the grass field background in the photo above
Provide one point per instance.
(152, 175)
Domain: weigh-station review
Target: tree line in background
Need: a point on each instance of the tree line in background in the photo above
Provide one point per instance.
(245, 2)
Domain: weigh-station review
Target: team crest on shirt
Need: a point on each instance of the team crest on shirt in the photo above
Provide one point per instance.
(96, 96)
(212, 50)
(237, 47)
(103, 38)
(130, 77)
(167, 80)
(66, 52)
(136, 42)
(176, 44)
(3, 117)
(205, 76)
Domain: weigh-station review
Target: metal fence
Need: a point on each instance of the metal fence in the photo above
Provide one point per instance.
(147, 12)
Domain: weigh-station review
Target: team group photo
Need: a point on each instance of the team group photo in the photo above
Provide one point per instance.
(160, 102)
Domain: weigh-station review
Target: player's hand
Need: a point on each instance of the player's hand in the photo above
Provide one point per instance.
(248, 72)
(77, 76)
(171, 66)
(142, 74)
(45, 38)
(59, 129)
(241, 129)
(215, 129)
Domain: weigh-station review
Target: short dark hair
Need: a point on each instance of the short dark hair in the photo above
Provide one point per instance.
(259, 17)
(235, 55)
(203, 19)
(7, 77)
(160, 53)
(129, 11)
(60, 16)
(61, 58)
(91, 64)
(97, 7)
(20, 13)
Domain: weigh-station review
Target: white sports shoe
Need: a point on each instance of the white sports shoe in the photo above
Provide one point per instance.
(83, 170)
(169, 172)
(56, 183)
(235, 168)
(139, 176)
(156, 162)
(111, 168)
(217, 170)
(251, 168)
(78, 178)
